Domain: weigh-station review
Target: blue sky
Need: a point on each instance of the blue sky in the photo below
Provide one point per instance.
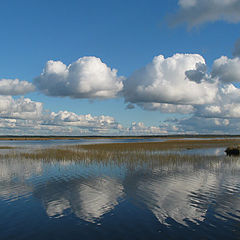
(124, 35)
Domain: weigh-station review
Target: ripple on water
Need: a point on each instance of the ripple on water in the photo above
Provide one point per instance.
(162, 199)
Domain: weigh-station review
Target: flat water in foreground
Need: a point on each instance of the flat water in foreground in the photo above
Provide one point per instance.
(120, 200)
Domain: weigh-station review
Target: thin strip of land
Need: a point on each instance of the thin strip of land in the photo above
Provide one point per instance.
(39, 138)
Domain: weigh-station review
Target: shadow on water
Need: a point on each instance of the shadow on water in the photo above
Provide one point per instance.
(182, 197)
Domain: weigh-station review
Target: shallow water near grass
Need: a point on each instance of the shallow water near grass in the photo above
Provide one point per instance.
(111, 200)
(84, 141)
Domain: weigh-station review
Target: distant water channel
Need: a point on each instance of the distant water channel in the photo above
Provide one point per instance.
(114, 200)
(82, 141)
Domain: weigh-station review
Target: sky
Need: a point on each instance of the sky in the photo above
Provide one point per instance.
(131, 67)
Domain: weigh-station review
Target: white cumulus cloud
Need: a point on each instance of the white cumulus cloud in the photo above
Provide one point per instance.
(227, 104)
(138, 128)
(208, 125)
(88, 77)
(91, 123)
(22, 108)
(24, 116)
(226, 69)
(167, 108)
(164, 81)
(15, 87)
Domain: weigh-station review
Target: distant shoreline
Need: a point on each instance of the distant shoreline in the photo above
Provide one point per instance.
(44, 138)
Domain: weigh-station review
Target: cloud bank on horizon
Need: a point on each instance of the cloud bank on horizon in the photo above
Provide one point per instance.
(207, 98)
(24, 116)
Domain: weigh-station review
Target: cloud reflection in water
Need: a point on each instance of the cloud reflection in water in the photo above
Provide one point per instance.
(173, 191)
(88, 199)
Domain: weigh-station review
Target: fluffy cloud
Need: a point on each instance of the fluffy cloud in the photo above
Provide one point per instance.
(167, 108)
(99, 124)
(198, 74)
(15, 87)
(164, 81)
(195, 12)
(24, 116)
(181, 84)
(22, 108)
(227, 104)
(138, 128)
(177, 84)
(226, 70)
(88, 77)
(194, 125)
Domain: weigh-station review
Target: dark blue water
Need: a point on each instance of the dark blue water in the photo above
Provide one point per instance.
(158, 200)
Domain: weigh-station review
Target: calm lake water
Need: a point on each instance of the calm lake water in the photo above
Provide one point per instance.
(111, 200)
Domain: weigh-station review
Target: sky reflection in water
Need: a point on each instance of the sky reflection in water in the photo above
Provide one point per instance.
(172, 199)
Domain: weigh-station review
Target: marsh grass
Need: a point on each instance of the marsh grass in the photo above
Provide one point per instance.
(131, 154)
(141, 153)
(132, 159)
(6, 147)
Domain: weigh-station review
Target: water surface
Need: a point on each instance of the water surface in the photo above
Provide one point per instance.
(112, 200)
